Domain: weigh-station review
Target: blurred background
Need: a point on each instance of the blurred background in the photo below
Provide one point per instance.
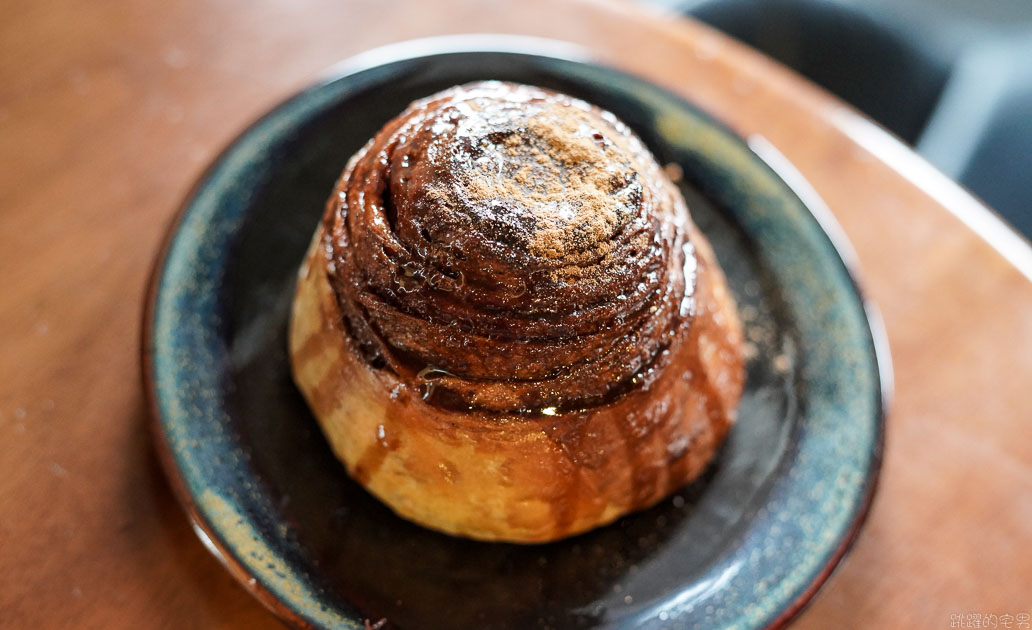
(951, 78)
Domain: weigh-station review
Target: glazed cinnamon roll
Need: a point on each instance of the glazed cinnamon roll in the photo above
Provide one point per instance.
(507, 325)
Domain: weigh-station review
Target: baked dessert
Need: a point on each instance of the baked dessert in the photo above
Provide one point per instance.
(507, 325)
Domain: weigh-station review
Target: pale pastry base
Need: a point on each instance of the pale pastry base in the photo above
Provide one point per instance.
(518, 479)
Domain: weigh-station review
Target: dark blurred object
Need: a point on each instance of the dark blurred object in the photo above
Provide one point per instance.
(952, 78)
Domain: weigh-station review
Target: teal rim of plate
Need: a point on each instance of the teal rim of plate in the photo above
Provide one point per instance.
(812, 513)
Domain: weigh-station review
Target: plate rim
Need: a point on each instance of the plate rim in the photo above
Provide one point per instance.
(407, 50)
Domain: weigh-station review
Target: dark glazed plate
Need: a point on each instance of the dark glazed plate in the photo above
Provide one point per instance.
(744, 547)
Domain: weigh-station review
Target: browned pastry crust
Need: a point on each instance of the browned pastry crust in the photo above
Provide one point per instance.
(507, 325)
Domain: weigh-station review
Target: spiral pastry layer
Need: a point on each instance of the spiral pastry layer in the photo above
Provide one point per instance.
(511, 249)
(512, 260)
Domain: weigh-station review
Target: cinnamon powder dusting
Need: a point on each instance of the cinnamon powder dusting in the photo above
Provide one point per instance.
(574, 184)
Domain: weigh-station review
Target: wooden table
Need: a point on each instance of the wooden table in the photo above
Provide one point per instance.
(108, 111)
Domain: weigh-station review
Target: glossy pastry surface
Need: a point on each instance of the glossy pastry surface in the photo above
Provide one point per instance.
(507, 325)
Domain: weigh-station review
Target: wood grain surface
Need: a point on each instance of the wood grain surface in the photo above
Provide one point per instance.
(108, 112)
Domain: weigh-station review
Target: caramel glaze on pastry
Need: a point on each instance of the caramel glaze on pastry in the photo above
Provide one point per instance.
(507, 324)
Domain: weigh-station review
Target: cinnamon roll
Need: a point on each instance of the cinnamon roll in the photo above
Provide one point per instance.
(507, 325)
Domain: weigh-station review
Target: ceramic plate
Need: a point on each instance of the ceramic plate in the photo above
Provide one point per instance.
(743, 547)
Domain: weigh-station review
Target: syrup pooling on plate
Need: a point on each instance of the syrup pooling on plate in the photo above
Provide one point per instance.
(509, 249)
